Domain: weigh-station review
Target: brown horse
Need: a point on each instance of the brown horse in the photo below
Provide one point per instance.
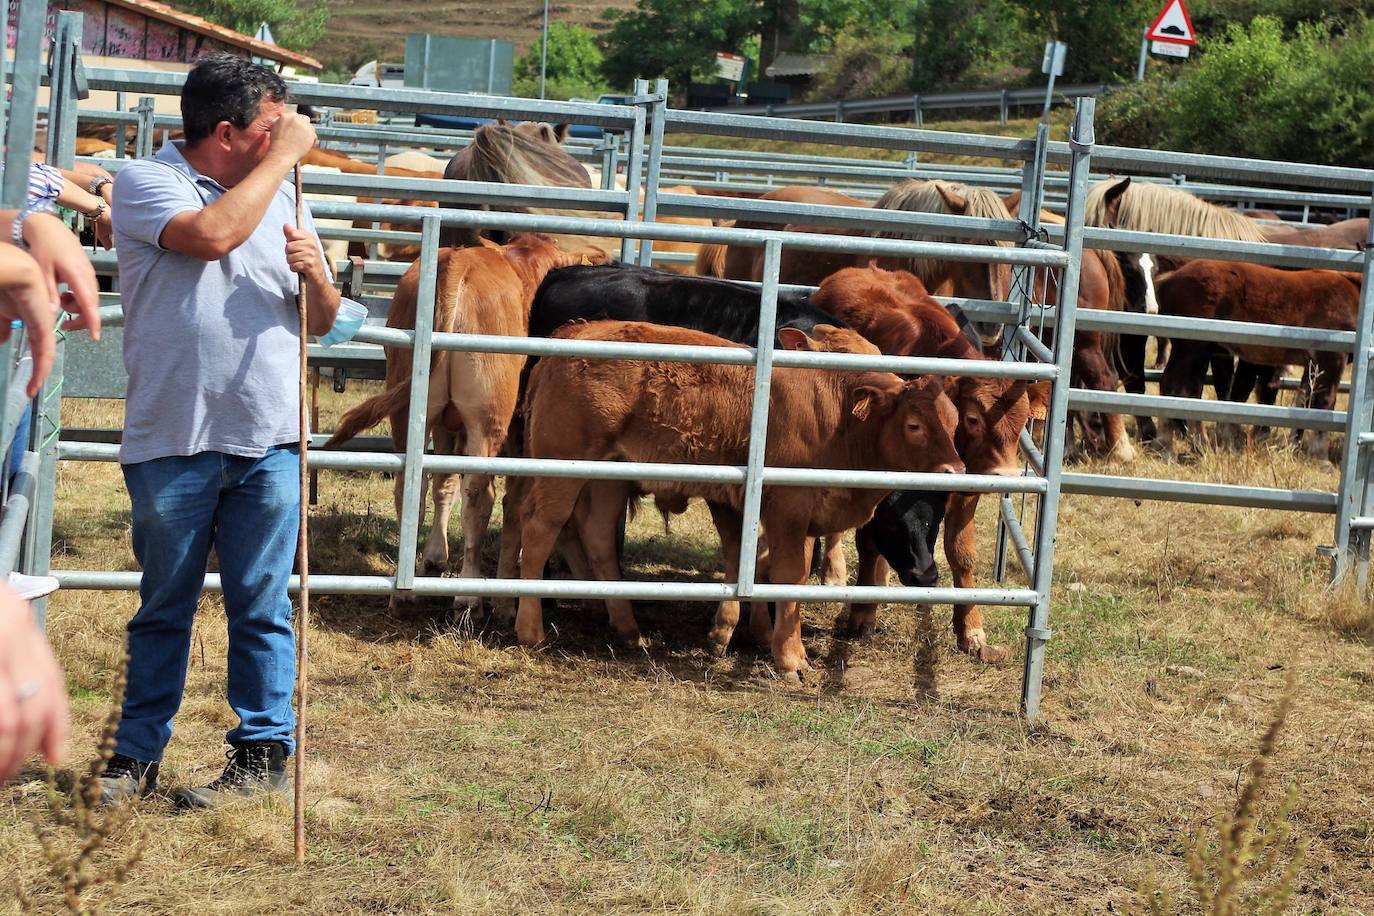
(1149, 207)
(1102, 284)
(1232, 291)
(1347, 235)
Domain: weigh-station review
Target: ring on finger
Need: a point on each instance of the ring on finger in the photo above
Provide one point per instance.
(27, 690)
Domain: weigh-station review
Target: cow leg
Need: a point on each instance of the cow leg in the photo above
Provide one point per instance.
(834, 567)
(728, 524)
(789, 562)
(479, 497)
(434, 555)
(961, 549)
(545, 511)
(598, 520)
(873, 570)
(508, 561)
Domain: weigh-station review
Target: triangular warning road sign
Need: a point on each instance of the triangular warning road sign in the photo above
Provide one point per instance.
(1173, 24)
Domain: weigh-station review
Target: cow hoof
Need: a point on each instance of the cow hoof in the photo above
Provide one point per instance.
(1122, 454)
(791, 678)
(992, 655)
(717, 642)
(529, 637)
(429, 568)
(632, 639)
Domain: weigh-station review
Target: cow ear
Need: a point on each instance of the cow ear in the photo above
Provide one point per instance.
(864, 398)
(560, 131)
(794, 339)
(1039, 396)
(956, 202)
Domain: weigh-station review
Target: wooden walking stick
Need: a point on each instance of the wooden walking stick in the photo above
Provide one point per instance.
(303, 556)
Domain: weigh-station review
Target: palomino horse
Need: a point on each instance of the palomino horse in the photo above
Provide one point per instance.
(1148, 207)
(472, 396)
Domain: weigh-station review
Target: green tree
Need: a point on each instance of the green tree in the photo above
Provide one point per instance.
(1103, 35)
(669, 38)
(295, 27)
(574, 65)
(959, 42)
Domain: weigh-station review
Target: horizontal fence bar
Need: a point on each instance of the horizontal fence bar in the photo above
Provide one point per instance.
(1188, 491)
(429, 586)
(1216, 411)
(627, 470)
(425, 101)
(1362, 523)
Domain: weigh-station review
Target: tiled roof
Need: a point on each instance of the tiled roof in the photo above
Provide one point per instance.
(193, 23)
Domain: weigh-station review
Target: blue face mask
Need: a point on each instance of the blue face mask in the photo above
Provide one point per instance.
(346, 323)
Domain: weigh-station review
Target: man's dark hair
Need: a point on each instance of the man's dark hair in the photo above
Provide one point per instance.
(225, 87)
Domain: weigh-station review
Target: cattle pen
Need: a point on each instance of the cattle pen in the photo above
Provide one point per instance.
(642, 127)
(455, 772)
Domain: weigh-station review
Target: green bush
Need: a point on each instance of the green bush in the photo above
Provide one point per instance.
(573, 69)
(1258, 92)
(863, 66)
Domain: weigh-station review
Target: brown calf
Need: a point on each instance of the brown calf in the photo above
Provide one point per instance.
(472, 396)
(891, 309)
(699, 414)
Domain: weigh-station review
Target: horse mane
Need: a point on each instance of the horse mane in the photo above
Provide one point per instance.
(505, 154)
(921, 196)
(1152, 207)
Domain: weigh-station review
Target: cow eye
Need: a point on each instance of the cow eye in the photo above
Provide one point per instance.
(914, 427)
(973, 421)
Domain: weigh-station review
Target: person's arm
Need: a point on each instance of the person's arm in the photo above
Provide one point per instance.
(33, 694)
(26, 295)
(74, 194)
(212, 232)
(321, 296)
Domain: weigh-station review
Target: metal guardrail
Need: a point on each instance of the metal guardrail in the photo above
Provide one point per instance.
(918, 103)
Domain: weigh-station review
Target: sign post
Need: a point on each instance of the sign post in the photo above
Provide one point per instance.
(1171, 35)
(1053, 65)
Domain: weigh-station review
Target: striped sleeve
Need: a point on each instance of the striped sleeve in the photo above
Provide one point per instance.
(45, 183)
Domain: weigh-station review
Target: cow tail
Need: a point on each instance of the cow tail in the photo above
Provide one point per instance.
(371, 412)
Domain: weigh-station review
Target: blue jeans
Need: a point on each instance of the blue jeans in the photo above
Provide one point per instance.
(248, 509)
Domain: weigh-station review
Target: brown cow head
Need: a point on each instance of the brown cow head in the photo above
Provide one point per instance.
(992, 413)
(826, 338)
(916, 422)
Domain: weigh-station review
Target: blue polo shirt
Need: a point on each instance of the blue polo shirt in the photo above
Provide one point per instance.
(211, 347)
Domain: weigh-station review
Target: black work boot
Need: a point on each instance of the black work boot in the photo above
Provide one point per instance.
(125, 777)
(254, 766)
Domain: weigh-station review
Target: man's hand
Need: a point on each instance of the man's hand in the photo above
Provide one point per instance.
(292, 137)
(63, 260)
(303, 255)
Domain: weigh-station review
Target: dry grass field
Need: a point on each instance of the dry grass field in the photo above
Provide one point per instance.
(453, 772)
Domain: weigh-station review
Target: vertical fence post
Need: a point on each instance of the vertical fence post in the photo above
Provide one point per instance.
(143, 132)
(634, 166)
(413, 479)
(121, 129)
(659, 110)
(1352, 498)
(609, 142)
(1002, 107)
(64, 67)
(23, 114)
(1022, 286)
(758, 418)
(1037, 628)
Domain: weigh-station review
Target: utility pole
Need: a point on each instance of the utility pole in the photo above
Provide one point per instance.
(544, 51)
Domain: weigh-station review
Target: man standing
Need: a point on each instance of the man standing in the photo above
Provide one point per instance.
(208, 260)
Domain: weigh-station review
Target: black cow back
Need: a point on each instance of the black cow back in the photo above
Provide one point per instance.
(628, 293)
